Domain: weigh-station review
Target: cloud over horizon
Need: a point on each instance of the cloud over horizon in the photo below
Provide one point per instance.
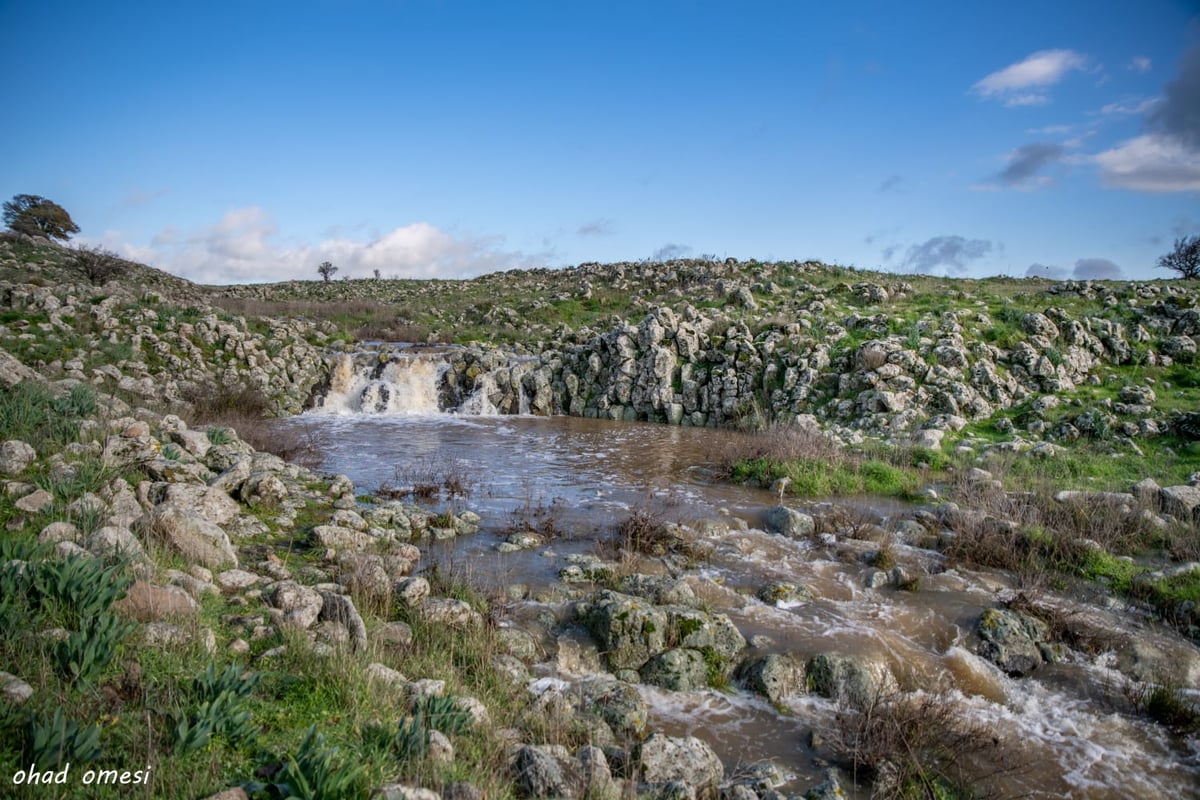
(242, 247)
(1025, 82)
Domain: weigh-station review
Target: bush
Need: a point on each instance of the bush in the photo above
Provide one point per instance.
(98, 265)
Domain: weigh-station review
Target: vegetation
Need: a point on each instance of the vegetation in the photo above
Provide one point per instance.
(326, 270)
(1184, 258)
(36, 216)
(99, 265)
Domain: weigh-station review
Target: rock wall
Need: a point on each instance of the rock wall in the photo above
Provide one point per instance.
(876, 374)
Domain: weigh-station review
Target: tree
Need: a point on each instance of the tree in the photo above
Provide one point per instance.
(37, 216)
(326, 270)
(1184, 258)
(99, 265)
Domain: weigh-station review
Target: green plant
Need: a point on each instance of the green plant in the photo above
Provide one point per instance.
(85, 653)
(220, 436)
(171, 452)
(218, 710)
(60, 740)
(79, 587)
(315, 772)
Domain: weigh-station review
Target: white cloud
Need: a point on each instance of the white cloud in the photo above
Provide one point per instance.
(1140, 64)
(1151, 163)
(243, 247)
(1021, 84)
(1129, 107)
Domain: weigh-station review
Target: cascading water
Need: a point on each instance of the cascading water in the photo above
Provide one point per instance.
(413, 383)
(400, 385)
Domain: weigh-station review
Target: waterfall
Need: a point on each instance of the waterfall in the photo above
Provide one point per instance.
(400, 385)
(414, 383)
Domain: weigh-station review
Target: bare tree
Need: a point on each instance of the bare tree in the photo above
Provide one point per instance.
(98, 265)
(326, 270)
(1184, 258)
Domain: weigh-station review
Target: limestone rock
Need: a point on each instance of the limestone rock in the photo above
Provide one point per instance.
(15, 456)
(789, 522)
(689, 760)
(193, 537)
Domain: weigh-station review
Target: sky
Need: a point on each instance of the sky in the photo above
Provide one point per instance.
(231, 142)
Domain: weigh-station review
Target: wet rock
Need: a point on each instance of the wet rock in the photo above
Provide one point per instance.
(850, 679)
(783, 593)
(678, 669)
(1012, 641)
(620, 705)
(829, 789)
(789, 522)
(666, 759)
(774, 676)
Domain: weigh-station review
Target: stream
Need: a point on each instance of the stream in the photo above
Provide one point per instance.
(1064, 726)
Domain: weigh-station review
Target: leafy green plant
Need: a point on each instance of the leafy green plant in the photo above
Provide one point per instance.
(220, 436)
(60, 740)
(85, 653)
(171, 452)
(315, 772)
(79, 587)
(219, 709)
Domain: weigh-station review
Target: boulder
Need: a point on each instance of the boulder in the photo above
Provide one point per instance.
(299, 606)
(113, 540)
(789, 522)
(1011, 641)
(196, 539)
(619, 704)
(206, 502)
(340, 608)
(773, 676)
(668, 759)
(1181, 502)
(679, 669)
(541, 773)
(853, 680)
(149, 602)
(15, 456)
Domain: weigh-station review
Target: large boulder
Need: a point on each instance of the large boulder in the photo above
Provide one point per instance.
(789, 522)
(15, 456)
(853, 680)
(540, 772)
(1181, 502)
(680, 669)
(669, 759)
(298, 606)
(773, 676)
(195, 538)
(632, 630)
(206, 502)
(1012, 641)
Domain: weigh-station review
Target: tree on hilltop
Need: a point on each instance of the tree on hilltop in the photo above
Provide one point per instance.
(37, 216)
(326, 270)
(1184, 258)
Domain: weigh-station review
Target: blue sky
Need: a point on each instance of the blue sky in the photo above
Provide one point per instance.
(248, 141)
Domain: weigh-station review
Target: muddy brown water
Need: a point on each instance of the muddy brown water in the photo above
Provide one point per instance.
(1063, 727)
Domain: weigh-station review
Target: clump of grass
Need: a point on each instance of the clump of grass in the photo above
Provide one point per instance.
(916, 745)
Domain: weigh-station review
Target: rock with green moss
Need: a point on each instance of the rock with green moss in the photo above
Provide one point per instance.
(1012, 641)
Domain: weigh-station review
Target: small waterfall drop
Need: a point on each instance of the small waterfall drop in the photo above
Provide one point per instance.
(416, 383)
(400, 385)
